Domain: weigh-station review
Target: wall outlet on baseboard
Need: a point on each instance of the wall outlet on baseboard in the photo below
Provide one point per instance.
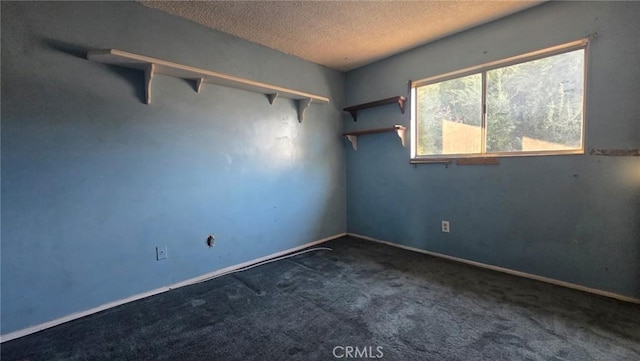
(445, 226)
(161, 252)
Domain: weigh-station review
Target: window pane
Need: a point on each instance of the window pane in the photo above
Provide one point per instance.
(537, 105)
(449, 116)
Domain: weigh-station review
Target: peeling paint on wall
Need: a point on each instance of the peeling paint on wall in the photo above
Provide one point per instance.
(616, 152)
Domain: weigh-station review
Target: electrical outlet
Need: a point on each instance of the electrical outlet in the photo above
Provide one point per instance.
(445, 226)
(161, 252)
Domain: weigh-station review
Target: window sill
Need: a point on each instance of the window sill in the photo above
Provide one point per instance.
(488, 159)
(459, 161)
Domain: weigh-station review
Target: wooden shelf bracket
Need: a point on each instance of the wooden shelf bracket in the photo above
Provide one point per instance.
(354, 141)
(148, 78)
(272, 97)
(353, 110)
(199, 83)
(398, 129)
(152, 66)
(401, 132)
(302, 106)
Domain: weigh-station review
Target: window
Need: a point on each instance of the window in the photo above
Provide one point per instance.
(526, 105)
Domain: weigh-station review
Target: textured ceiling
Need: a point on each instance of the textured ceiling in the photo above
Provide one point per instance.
(341, 34)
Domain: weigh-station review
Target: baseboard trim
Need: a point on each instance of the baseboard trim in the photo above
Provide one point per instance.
(506, 270)
(58, 321)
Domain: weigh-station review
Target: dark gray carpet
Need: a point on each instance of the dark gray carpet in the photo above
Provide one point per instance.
(412, 306)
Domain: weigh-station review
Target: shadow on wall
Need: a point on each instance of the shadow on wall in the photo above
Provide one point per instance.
(65, 47)
(135, 78)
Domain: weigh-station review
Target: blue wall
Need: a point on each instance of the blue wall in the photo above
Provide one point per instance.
(571, 218)
(93, 179)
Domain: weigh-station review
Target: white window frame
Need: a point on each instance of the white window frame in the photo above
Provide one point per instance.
(483, 69)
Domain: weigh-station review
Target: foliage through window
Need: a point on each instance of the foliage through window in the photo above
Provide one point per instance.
(527, 105)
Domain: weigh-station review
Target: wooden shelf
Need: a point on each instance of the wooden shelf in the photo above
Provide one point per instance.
(353, 110)
(152, 66)
(353, 136)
